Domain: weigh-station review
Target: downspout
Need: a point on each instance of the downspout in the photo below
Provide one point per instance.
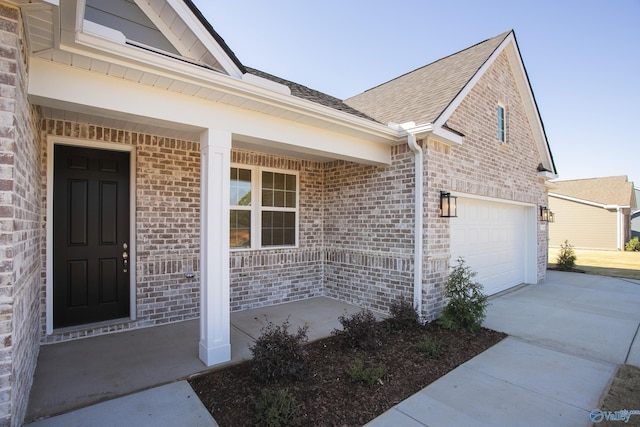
(419, 212)
(619, 219)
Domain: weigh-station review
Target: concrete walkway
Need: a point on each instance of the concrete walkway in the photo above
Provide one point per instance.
(90, 371)
(567, 337)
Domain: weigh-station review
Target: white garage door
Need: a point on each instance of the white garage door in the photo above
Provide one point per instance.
(492, 239)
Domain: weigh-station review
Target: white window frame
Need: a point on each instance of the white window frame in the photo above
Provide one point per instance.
(256, 207)
(502, 130)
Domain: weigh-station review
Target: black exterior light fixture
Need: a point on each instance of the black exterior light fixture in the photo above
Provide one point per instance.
(448, 205)
(545, 214)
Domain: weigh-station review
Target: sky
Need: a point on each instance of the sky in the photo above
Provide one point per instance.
(582, 58)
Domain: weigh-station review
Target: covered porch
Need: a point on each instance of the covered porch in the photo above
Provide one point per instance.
(78, 373)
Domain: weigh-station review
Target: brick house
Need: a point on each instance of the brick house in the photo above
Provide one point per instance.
(149, 177)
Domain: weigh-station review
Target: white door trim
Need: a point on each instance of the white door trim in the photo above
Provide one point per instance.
(52, 141)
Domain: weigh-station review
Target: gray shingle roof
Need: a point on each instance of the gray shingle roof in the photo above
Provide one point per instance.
(423, 94)
(309, 94)
(612, 190)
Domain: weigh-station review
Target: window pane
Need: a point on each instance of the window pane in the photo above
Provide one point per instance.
(289, 220)
(290, 236)
(501, 123)
(278, 198)
(267, 237)
(291, 183)
(267, 179)
(290, 201)
(278, 220)
(267, 197)
(267, 220)
(278, 228)
(278, 181)
(240, 187)
(240, 229)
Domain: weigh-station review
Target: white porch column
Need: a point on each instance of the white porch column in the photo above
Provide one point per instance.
(215, 340)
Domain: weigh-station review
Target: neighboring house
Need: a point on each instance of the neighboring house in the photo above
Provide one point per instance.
(592, 213)
(149, 177)
(635, 216)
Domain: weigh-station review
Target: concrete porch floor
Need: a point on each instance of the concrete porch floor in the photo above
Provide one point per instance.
(79, 373)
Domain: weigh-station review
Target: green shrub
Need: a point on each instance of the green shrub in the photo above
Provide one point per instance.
(466, 302)
(275, 409)
(360, 330)
(430, 348)
(277, 354)
(566, 257)
(633, 244)
(404, 315)
(370, 376)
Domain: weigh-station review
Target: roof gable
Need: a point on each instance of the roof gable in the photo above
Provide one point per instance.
(172, 27)
(422, 95)
(610, 191)
(430, 95)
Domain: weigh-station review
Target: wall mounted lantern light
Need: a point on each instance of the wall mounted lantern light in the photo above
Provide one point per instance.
(546, 215)
(448, 205)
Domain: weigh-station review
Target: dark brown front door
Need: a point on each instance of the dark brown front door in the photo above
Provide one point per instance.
(90, 235)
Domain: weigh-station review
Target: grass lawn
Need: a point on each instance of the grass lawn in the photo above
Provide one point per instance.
(605, 263)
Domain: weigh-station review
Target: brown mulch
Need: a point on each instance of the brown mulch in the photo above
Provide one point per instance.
(329, 397)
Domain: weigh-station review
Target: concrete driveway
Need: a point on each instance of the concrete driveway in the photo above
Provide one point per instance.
(567, 336)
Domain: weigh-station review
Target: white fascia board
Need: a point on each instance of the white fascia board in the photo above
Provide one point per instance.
(428, 131)
(60, 86)
(547, 175)
(131, 57)
(446, 136)
(585, 202)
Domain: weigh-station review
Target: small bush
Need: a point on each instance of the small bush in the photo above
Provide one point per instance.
(370, 376)
(466, 302)
(633, 244)
(404, 315)
(277, 354)
(360, 330)
(430, 348)
(566, 257)
(275, 409)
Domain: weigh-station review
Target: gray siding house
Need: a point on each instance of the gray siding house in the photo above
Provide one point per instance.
(148, 176)
(592, 213)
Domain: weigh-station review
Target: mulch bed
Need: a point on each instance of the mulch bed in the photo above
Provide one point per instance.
(329, 397)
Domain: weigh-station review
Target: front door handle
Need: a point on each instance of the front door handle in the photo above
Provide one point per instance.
(125, 260)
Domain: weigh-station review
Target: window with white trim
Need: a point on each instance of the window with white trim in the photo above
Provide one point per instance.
(263, 208)
(502, 123)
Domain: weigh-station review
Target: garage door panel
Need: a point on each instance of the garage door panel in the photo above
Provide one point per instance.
(491, 238)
